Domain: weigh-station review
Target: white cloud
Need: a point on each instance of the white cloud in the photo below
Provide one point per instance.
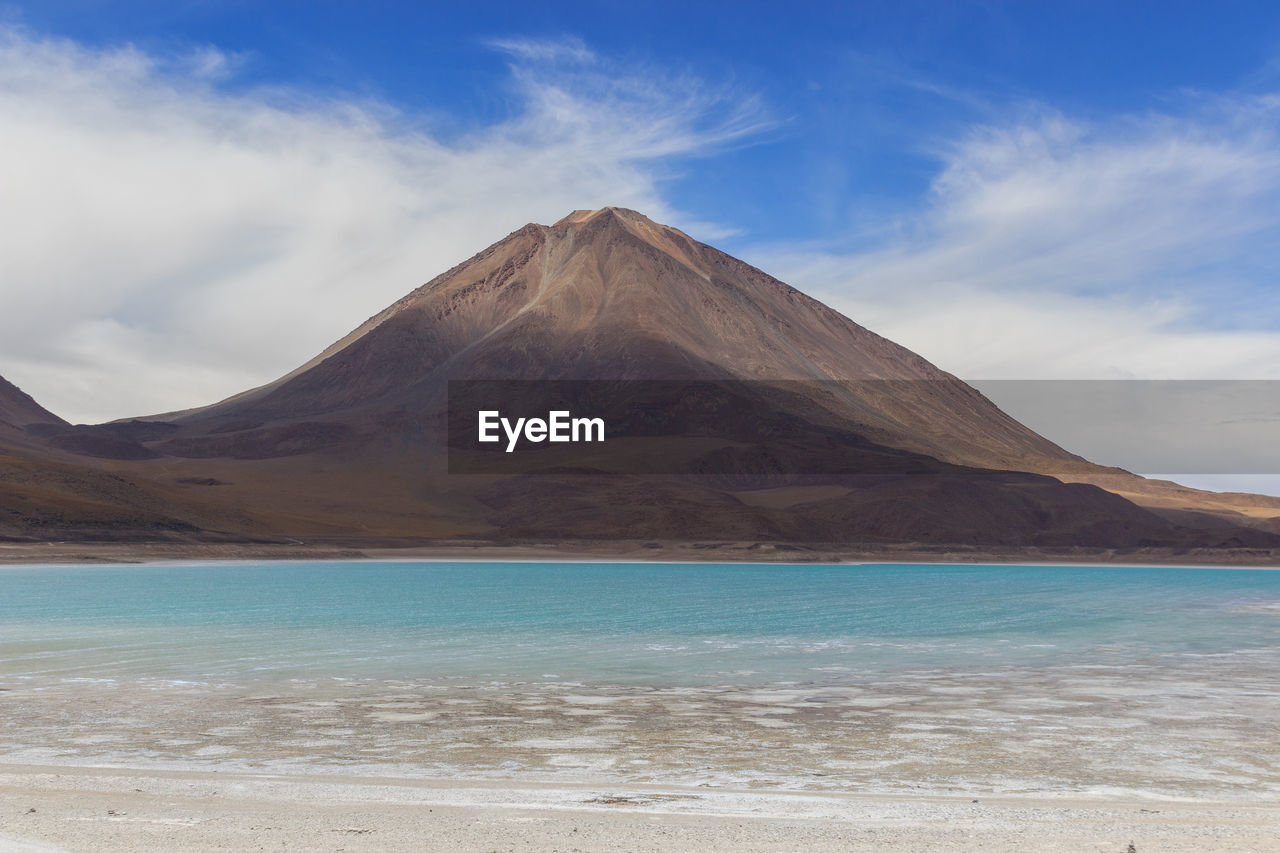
(567, 48)
(165, 242)
(1057, 249)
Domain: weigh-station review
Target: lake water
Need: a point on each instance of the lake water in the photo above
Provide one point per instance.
(994, 677)
(617, 623)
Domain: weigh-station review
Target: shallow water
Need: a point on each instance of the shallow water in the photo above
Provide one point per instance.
(617, 623)
(977, 678)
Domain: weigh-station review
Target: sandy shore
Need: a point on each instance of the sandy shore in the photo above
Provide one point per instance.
(1077, 760)
(80, 808)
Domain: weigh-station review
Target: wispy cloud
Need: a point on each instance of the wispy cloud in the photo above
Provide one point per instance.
(1051, 247)
(167, 239)
(165, 242)
(211, 63)
(566, 48)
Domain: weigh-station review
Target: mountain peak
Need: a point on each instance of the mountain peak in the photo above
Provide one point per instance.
(579, 217)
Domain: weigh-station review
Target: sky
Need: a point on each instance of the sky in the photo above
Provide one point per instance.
(199, 196)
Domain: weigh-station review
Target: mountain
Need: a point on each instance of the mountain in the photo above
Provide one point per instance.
(50, 492)
(609, 294)
(17, 410)
(749, 412)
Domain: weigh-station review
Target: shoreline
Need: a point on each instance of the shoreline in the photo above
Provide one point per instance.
(634, 551)
(128, 741)
(983, 753)
(85, 807)
(1178, 733)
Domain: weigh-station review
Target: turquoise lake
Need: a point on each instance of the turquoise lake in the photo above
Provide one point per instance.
(609, 623)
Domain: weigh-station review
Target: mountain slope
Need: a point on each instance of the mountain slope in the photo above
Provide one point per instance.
(52, 489)
(18, 410)
(609, 294)
(787, 421)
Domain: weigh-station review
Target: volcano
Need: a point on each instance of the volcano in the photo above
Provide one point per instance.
(608, 295)
(861, 442)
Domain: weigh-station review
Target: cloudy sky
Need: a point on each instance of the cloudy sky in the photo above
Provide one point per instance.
(197, 197)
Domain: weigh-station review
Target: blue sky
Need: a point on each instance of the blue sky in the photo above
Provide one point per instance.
(202, 195)
(861, 93)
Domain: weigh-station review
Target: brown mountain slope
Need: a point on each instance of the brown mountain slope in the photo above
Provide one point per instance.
(50, 492)
(834, 433)
(17, 411)
(609, 294)
(1174, 501)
